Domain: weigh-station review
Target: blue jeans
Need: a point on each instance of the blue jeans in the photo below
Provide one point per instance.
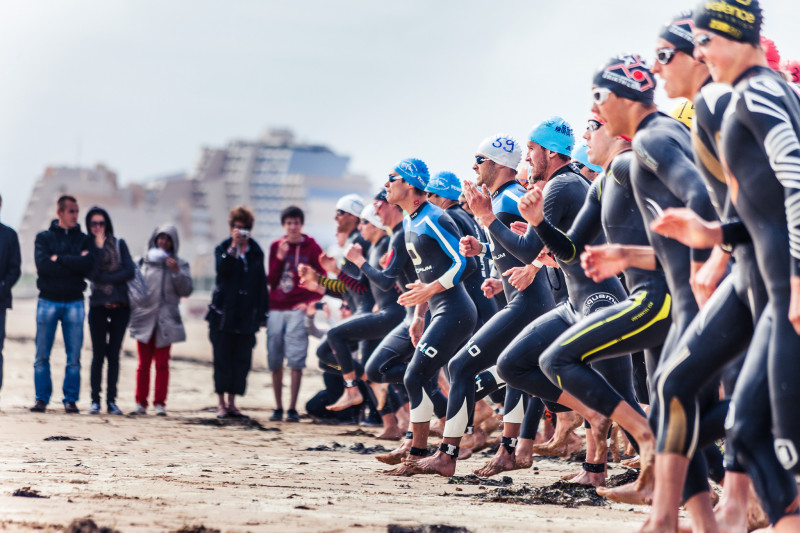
(48, 314)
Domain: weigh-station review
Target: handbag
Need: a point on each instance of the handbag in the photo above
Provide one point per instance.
(137, 289)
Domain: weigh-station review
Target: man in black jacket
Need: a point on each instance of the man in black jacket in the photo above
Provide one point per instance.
(64, 258)
(9, 274)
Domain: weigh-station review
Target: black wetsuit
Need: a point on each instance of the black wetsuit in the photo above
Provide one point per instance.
(721, 332)
(388, 362)
(759, 144)
(484, 347)
(564, 195)
(486, 307)
(359, 302)
(432, 242)
(364, 326)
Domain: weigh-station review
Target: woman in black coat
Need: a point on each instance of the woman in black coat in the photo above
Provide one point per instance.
(238, 309)
(109, 309)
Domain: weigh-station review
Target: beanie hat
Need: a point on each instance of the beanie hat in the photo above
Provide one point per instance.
(351, 203)
(502, 149)
(581, 155)
(370, 216)
(414, 172)
(445, 184)
(678, 32)
(554, 134)
(734, 20)
(628, 77)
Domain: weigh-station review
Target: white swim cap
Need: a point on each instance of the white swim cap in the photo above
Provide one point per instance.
(351, 203)
(370, 216)
(502, 149)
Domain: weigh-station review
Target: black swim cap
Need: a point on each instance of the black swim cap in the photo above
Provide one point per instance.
(678, 32)
(737, 20)
(628, 77)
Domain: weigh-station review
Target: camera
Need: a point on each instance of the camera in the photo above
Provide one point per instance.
(319, 306)
(244, 233)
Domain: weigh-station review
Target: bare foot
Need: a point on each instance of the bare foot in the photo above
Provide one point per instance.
(477, 441)
(402, 416)
(440, 463)
(437, 428)
(557, 447)
(640, 492)
(391, 433)
(587, 478)
(395, 457)
(501, 462)
(522, 458)
(732, 517)
(352, 396)
(633, 462)
(464, 453)
(400, 471)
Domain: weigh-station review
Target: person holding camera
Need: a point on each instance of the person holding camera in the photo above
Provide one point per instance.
(239, 306)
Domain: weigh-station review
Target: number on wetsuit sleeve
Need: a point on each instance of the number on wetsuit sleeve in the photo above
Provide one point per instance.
(430, 351)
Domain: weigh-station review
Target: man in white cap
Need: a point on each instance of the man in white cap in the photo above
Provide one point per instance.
(496, 163)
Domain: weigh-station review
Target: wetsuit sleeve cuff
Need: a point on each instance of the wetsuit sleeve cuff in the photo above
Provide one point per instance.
(734, 233)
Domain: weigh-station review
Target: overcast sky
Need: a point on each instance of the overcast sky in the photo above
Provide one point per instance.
(142, 85)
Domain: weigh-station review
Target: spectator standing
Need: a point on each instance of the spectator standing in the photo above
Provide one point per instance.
(63, 255)
(156, 322)
(238, 309)
(287, 337)
(109, 309)
(9, 274)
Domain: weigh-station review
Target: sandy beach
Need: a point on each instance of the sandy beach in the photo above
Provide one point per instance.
(186, 472)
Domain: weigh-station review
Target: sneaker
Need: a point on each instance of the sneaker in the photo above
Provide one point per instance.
(160, 411)
(94, 409)
(113, 409)
(39, 407)
(292, 416)
(71, 408)
(277, 415)
(140, 410)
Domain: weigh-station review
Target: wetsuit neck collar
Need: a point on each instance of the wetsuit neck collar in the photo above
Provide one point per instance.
(566, 169)
(416, 213)
(397, 227)
(751, 71)
(503, 187)
(647, 120)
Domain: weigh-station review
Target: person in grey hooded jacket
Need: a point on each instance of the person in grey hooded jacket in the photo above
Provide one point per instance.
(156, 322)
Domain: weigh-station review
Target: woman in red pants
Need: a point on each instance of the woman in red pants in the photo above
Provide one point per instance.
(156, 322)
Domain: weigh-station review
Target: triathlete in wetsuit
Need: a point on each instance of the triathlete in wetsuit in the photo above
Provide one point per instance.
(496, 161)
(443, 191)
(759, 144)
(432, 243)
(364, 326)
(564, 193)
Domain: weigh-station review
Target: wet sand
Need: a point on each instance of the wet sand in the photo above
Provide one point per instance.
(148, 473)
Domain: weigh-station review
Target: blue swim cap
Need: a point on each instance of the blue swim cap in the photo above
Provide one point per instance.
(555, 135)
(445, 184)
(414, 172)
(581, 155)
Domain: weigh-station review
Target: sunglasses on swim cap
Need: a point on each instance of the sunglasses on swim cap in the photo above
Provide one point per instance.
(600, 95)
(665, 55)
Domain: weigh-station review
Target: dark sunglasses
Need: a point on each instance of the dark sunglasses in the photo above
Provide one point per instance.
(340, 213)
(480, 159)
(703, 39)
(392, 178)
(594, 125)
(665, 55)
(97, 223)
(237, 226)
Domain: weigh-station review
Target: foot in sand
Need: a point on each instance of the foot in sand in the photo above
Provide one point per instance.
(501, 462)
(395, 457)
(440, 463)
